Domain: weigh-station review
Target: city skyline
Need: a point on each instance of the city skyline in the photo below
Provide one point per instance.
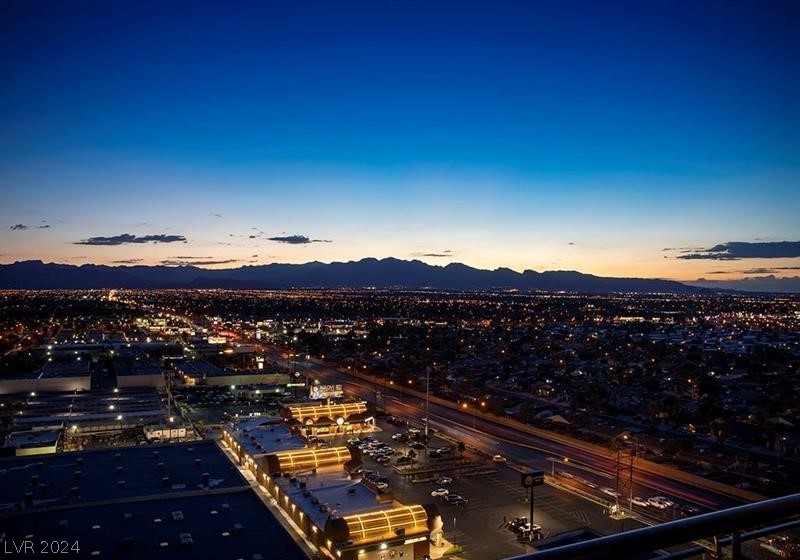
(523, 137)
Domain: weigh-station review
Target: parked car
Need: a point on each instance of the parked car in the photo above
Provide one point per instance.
(565, 474)
(516, 524)
(499, 459)
(440, 493)
(588, 483)
(444, 480)
(641, 502)
(381, 485)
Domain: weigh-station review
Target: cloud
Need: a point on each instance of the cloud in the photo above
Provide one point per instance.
(737, 250)
(297, 240)
(187, 257)
(126, 238)
(127, 261)
(444, 254)
(767, 283)
(45, 226)
(217, 215)
(18, 227)
(759, 270)
(172, 262)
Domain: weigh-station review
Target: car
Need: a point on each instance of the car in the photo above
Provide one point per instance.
(382, 459)
(434, 454)
(517, 523)
(609, 491)
(499, 459)
(440, 493)
(444, 480)
(565, 474)
(588, 483)
(457, 500)
(659, 502)
(639, 501)
(444, 450)
(689, 511)
(417, 445)
(404, 460)
(381, 485)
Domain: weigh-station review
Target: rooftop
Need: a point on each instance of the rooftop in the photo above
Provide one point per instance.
(335, 493)
(199, 369)
(123, 473)
(230, 525)
(32, 438)
(265, 434)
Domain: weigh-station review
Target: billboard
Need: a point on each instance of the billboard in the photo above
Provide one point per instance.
(326, 392)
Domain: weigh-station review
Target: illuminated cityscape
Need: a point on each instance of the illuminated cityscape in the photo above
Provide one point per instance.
(384, 281)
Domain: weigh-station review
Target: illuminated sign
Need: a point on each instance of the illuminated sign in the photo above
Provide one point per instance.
(318, 392)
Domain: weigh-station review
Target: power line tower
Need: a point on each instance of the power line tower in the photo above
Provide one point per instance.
(625, 457)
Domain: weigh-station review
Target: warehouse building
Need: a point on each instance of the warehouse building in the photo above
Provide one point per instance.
(176, 501)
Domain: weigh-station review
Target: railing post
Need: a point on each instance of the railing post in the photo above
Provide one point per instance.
(736, 545)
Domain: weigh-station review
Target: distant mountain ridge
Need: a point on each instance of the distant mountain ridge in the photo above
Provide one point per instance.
(369, 272)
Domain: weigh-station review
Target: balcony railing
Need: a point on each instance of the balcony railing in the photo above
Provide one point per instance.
(728, 527)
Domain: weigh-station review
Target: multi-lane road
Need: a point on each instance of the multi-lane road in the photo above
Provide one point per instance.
(521, 447)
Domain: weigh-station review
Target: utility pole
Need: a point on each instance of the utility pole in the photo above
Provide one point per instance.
(427, 397)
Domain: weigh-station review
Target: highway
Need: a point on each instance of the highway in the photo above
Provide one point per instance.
(522, 448)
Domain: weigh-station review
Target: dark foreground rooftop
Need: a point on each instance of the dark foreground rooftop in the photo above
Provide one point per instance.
(225, 524)
(113, 474)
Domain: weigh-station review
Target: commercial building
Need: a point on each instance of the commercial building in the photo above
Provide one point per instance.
(138, 373)
(315, 420)
(205, 373)
(338, 511)
(54, 376)
(33, 442)
(175, 501)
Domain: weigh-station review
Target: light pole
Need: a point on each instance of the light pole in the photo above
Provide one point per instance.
(465, 406)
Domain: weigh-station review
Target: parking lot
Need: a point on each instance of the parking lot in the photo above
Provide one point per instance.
(492, 496)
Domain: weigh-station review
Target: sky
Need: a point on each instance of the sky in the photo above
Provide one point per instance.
(649, 139)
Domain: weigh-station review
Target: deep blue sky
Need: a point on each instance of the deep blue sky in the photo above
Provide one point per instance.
(541, 134)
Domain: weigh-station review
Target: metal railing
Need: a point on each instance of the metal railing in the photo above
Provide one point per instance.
(729, 523)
